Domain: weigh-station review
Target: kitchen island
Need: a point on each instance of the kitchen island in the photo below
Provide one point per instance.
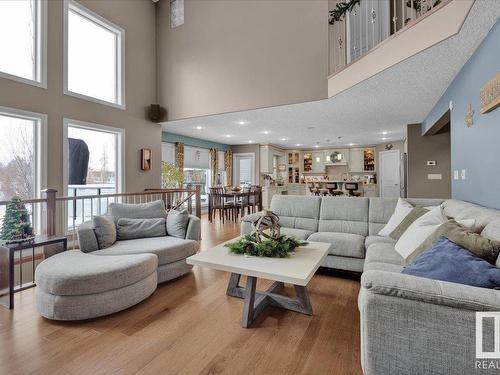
(288, 189)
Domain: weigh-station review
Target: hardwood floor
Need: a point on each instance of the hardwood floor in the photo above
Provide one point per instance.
(190, 326)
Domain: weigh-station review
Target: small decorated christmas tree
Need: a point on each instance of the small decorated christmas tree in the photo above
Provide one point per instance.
(16, 223)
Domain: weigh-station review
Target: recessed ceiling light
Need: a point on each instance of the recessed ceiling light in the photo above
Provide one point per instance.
(298, 144)
(241, 122)
(250, 141)
(283, 139)
(384, 133)
(199, 127)
(228, 136)
(384, 138)
(316, 146)
(351, 144)
(266, 132)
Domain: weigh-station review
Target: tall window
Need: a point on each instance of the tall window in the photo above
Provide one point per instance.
(22, 40)
(94, 166)
(93, 56)
(22, 158)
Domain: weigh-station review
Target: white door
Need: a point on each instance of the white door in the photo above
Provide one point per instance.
(390, 181)
(243, 169)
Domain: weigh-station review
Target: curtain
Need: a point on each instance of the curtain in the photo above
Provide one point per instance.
(214, 165)
(228, 166)
(179, 155)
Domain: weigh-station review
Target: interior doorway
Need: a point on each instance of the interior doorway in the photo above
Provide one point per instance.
(390, 179)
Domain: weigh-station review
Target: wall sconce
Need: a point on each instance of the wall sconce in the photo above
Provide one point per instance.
(318, 159)
(328, 159)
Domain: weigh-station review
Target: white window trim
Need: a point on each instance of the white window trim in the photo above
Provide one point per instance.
(236, 173)
(120, 53)
(120, 151)
(41, 50)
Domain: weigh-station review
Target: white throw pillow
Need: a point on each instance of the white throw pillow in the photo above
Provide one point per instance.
(419, 230)
(403, 208)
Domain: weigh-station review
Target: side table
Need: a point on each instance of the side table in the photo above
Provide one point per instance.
(7, 287)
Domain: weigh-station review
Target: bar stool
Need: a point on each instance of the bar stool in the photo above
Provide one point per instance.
(351, 187)
(333, 189)
(312, 188)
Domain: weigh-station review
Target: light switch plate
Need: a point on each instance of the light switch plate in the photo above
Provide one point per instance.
(455, 174)
(462, 174)
(434, 176)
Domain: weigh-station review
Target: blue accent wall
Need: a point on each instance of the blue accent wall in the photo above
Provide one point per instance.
(193, 142)
(475, 149)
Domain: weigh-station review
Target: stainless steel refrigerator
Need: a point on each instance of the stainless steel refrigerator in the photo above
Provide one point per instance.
(403, 175)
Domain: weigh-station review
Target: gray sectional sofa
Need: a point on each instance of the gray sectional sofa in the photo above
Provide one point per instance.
(409, 324)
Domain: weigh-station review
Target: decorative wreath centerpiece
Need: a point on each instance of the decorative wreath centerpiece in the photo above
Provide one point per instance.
(265, 239)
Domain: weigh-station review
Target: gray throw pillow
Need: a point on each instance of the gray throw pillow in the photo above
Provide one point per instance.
(105, 231)
(177, 223)
(155, 209)
(129, 229)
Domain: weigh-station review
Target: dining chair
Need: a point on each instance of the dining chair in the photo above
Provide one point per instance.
(255, 198)
(219, 203)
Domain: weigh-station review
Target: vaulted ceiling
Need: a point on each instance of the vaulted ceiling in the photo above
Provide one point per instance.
(375, 110)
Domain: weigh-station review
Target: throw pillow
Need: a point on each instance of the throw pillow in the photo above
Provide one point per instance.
(419, 230)
(129, 229)
(462, 233)
(403, 208)
(447, 261)
(105, 231)
(414, 214)
(177, 223)
(148, 210)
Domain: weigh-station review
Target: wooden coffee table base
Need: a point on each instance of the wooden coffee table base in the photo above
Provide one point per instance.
(256, 301)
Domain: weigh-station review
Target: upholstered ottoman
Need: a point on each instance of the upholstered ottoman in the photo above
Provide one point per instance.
(74, 286)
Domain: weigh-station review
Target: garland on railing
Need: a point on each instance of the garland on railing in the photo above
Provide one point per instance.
(341, 9)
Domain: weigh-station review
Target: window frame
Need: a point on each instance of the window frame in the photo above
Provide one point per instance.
(40, 137)
(41, 50)
(120, 150)
(120, 53)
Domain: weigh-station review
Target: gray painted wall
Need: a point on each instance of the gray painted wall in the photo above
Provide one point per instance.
(420, 150)
(474, 149)
(235, 55)
(138, 20)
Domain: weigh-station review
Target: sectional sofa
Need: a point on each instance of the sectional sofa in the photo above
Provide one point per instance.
(409, 325)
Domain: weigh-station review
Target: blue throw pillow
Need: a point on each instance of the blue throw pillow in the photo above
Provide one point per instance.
(446, 261)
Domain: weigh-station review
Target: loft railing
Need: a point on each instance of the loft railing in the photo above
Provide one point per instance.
(54, 214)
(369, 24)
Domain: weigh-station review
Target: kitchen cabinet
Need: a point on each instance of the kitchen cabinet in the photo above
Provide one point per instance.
(362, 160)
(267, 154)
(307, 162)
(356, 160)
(318, 162)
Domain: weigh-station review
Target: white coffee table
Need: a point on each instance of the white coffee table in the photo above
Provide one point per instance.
(297, 269)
